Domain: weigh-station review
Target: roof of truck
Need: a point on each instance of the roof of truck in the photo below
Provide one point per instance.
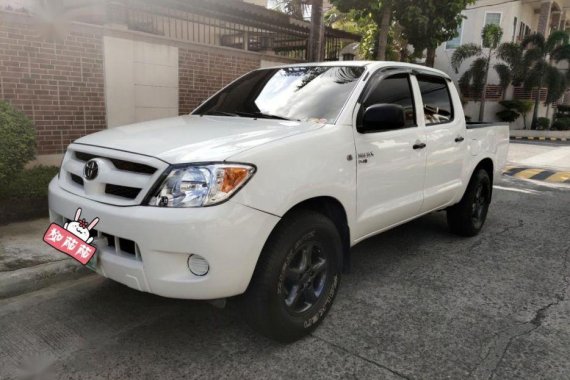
(372, 65)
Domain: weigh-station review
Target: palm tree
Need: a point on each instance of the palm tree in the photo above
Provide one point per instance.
(474, 80)
(512, 69)
(540, 56)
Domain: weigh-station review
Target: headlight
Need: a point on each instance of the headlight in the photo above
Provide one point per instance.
(201, 185)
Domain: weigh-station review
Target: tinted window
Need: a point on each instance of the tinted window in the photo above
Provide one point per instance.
(298, 93)
(436, 99)
(394, 90)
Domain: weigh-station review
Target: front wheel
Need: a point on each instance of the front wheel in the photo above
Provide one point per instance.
(468, 216)
(296, 278)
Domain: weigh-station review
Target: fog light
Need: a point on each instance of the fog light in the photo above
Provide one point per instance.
(198, 265)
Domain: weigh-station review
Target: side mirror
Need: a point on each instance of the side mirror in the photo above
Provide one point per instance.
(381, 117)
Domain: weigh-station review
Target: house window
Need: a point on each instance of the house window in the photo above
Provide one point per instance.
(493, 18)
(456, 41)
(524, 31)
(348, 57)
(515, 23)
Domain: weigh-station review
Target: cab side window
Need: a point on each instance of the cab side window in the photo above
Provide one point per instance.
(438, 108)
(397, 90)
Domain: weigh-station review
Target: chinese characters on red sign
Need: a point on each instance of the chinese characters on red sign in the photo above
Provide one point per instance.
(68, 243)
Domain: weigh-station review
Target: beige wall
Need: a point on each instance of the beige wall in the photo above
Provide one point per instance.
(474, 23)
(141, 81)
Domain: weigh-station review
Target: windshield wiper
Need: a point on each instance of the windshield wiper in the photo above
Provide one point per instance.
(262, 115)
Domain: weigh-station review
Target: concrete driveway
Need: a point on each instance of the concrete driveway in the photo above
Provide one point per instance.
(420, 304)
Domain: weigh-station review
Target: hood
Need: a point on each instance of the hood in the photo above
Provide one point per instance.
(191, 138)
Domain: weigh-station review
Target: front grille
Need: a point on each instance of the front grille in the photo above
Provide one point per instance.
(77, 179)
(122, 191)
(122, 178)
(118, 245)
(119, 164)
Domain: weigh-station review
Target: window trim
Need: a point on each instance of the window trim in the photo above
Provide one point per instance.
(447, 86)
(500, 13)
(381, 75)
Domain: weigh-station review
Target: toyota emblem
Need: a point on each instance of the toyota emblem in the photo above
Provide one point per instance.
(91, 170)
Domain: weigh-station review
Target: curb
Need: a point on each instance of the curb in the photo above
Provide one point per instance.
(539, 138)
(25, 280)
(551, 176)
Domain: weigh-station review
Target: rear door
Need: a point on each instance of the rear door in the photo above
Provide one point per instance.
(445, 135)
(391, 162)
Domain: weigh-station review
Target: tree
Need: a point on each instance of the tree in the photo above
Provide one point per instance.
(428, 23)
(540, 55)
(317, 36)
(474, 80)
(54, 17)
(512, 70)
(294, 8)
(380, 11)
(356, 22)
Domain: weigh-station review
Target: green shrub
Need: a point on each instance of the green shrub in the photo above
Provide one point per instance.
(562, 110)
(561, 124)
(514, 109)
(510, 104)
(508, 115)
(29, 183)
(17, 142)
(543, 123)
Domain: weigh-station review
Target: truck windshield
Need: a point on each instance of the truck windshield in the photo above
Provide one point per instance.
(311, 93)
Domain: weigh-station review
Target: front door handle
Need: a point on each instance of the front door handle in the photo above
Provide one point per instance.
(459, 139)
(419, 146)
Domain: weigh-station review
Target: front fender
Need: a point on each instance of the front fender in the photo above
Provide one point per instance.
(291, 170)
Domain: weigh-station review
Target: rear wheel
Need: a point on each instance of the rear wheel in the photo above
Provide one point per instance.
(468, 216)
(296, 278)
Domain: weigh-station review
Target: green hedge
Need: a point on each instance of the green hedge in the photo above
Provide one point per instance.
(543, 123)
(29, 183)
(17, 142)
(561, 124)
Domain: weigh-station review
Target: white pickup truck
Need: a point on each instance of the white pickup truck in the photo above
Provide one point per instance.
(264, 188)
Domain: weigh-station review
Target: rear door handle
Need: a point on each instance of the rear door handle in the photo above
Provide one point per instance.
(459, 139)
(419, 146)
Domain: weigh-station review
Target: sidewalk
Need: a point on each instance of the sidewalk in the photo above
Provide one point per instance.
(545, 163)
(27, 263)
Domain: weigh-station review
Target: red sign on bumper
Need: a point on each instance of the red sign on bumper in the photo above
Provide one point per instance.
(66, 242)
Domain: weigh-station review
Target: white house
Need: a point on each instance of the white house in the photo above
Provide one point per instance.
(517, 19)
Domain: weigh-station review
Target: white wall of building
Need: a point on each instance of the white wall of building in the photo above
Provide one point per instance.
(523, 11)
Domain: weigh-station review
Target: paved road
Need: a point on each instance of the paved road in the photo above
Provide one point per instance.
(420, 304)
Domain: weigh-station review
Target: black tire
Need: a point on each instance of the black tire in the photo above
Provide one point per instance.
(468, 216)
(269, 304)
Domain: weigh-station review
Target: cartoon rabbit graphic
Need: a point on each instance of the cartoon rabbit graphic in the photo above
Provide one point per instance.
(80, 228)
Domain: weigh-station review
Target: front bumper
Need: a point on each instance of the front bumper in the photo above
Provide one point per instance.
(230, 236)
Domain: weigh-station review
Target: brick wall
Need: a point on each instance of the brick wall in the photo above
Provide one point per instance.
(202, 73)
(58, 85)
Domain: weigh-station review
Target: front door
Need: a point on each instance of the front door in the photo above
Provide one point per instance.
(391, 162)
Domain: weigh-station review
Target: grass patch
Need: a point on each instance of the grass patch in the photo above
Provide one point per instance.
(29, 183)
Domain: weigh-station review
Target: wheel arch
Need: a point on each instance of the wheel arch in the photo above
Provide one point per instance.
(486, 164)
(333, 209)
